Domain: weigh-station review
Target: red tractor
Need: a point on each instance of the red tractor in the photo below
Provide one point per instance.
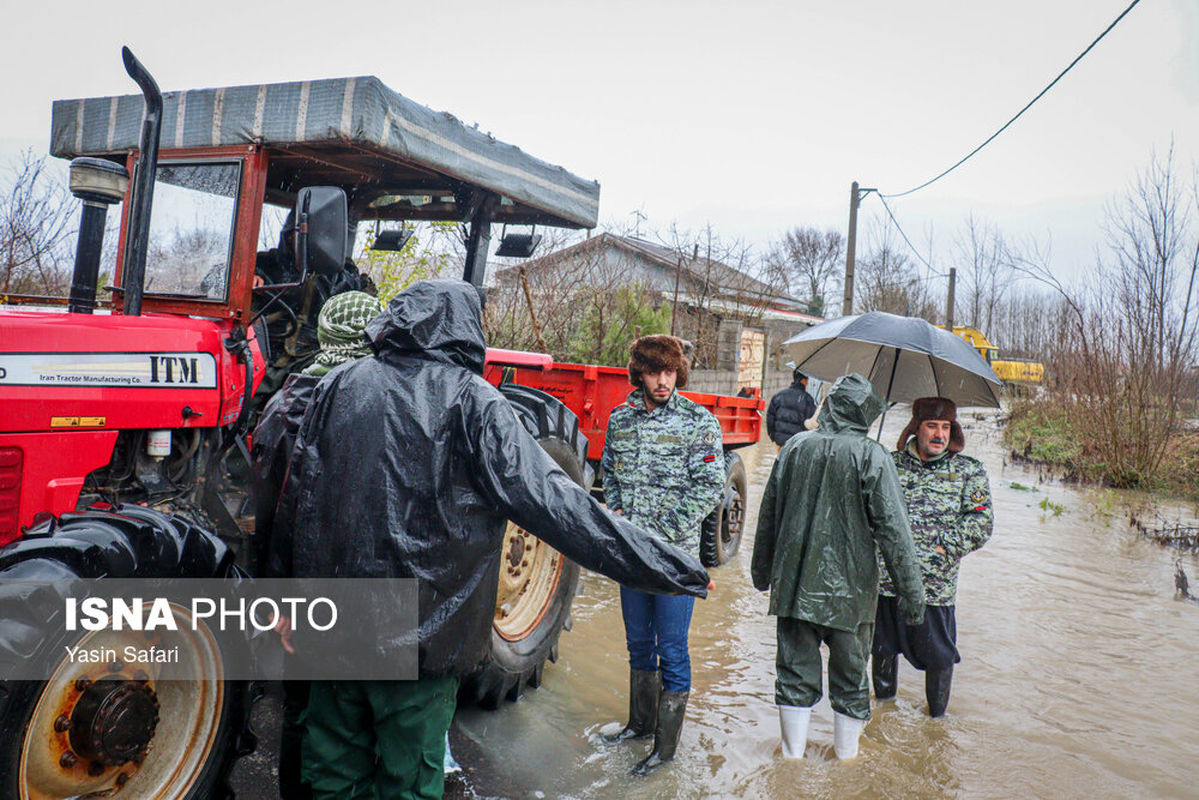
(124, 428)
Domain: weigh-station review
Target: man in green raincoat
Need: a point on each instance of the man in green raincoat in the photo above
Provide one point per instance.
(832, 497)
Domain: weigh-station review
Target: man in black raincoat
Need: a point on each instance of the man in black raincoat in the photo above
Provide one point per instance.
(832, 497)
(789, 410)
(407, 465)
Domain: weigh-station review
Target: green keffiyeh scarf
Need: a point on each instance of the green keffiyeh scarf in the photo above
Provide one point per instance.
(339, 329)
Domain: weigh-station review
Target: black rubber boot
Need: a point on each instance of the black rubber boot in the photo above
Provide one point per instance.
(644, 687)
(671, 709)
(884, 670)
(936, 690)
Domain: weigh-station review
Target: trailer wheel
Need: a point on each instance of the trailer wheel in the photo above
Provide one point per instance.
(536, 583)
(95, 730)
(720, 536)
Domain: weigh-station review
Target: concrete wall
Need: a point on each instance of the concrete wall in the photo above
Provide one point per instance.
(713, 381)
(724, 381)
(777, 373)
(775, 380)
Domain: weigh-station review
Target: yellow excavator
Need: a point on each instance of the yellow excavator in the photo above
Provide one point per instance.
(1015, 371)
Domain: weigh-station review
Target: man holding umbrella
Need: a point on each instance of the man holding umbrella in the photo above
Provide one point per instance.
(949, 510)
(948, 500)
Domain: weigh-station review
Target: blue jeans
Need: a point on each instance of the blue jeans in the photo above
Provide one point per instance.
(655, 629)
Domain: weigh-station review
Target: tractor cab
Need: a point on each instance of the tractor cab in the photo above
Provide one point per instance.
(233, 161)
(236, 205)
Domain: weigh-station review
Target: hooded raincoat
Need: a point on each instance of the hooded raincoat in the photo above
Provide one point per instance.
(274, 438)
(408, 464)
(834, 494)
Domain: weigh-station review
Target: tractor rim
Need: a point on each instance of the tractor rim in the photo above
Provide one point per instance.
(96, 728)
(529, 573)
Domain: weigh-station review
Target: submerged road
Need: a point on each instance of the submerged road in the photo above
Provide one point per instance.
(1078, 677)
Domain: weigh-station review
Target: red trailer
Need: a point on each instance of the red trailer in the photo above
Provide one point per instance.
(591, 392)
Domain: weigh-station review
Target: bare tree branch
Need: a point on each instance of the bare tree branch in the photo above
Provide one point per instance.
(37, 215)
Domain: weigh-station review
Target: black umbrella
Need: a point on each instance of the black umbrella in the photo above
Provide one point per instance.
(904, 357)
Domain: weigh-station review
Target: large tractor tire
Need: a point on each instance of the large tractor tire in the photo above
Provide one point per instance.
(720, 535)
(101, 730)
(536, 582)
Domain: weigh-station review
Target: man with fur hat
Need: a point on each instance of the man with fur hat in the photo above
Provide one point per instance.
(949, 509)
(664, 471)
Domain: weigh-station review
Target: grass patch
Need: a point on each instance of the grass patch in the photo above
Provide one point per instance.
(1048, 506)
(1179, 475)
(1042, 432)
(1047, 433)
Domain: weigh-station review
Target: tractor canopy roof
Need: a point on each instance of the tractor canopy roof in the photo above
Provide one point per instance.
(395, 158)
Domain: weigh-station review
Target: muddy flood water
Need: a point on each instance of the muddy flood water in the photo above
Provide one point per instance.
(1079, 677)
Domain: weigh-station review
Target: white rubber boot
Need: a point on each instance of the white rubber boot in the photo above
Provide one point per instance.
(793, 722)
(846, 731)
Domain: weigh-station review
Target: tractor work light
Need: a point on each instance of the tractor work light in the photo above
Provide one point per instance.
(518, 245)
(391, 240)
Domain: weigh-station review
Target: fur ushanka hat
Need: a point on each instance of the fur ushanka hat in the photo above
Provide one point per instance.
(656, 353)
(926, 408)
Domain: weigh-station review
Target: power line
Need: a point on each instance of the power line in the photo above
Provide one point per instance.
(1041, 94)
(932, 272)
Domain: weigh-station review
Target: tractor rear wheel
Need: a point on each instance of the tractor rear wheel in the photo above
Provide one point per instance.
(536, 583)
(720, 536)
(99, 729)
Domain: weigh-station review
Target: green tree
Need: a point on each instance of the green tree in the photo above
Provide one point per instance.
(612, 320)
(432, 251)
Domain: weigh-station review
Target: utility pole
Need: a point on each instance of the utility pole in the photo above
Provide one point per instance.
(674, 309)
(855, 197)
(847, 302)
(953, 279)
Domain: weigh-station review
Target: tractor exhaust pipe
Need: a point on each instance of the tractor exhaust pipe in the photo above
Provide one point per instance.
(137, 237)
(98, 183)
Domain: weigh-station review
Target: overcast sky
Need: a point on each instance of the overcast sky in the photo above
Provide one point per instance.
(753, 116)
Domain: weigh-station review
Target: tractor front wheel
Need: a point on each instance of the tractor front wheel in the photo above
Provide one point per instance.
(107, 729)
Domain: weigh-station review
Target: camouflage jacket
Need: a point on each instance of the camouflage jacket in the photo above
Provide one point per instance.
(664, 471)
(949, 505)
